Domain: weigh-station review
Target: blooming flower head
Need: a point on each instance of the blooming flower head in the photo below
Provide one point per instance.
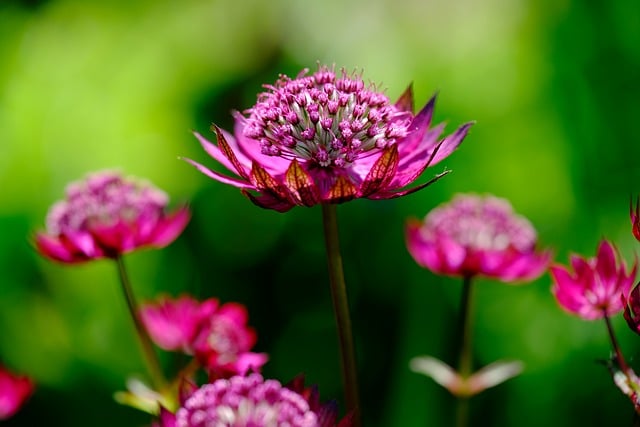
(14, 391)
(328, 138)
(216, 334)
(250, 401)
(107, 215)
(474, 235)
(597, 285)
(635, 218)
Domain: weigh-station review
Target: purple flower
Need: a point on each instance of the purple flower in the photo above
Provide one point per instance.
(597, 285)
(105, 216)
(216, 334)
(474, 235)
(327, 138)
(252, 401)
(14, 391)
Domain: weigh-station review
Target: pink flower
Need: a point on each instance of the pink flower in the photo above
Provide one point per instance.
(216, 334)
(597, 285)
(474, 235)
(105, 216)
(14, 391)
(252, 401)
(324, 138)
(635, 218)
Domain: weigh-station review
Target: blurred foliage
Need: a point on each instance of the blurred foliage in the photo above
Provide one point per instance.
(90, 85)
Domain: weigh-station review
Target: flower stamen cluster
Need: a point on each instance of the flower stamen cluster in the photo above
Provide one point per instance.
(327, 120)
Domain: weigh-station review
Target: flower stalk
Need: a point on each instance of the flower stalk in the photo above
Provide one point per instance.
(341, 311)
(149, 354)
(466, 355)
(622, 364)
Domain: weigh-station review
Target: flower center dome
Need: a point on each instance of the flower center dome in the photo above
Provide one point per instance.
(479, 223)
(323, 119)
(245, 402)
(104, 198)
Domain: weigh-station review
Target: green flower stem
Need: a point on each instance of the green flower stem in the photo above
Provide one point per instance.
(341, 310)
(622, 364)
(150, 356)
(466, 356)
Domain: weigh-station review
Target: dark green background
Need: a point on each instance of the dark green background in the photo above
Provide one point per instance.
(553, 86)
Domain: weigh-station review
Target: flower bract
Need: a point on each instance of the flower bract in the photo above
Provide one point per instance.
(475, 235)
(328, 138)
(106, 215)
(596, 286)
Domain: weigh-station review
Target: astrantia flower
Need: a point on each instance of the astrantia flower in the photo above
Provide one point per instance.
(631, 304)
(216, 334)
(105, 216)
(14, 391)
(474, 235)
(597, 285)
(327, 138)
(250, 401)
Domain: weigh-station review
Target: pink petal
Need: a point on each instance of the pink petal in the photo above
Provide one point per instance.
(55, 249)
(169, 228)
(301, 185)
(381, 173)
(450, 143)
(219, 177)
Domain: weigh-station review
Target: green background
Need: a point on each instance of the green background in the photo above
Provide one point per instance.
(553, 86)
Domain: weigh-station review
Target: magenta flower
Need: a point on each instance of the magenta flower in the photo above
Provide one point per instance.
(597, 285)
(216, 334)
(323, 138)
(14, 391)
(105, 216)
(251, 401)
(474, 235)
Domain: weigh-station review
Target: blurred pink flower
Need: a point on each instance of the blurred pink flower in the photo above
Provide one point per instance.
(635, 218)
(105, 216)
(252, 401)
(14, 391)
(473, 235)
(597, 285)
(324, 138)
(216, 334)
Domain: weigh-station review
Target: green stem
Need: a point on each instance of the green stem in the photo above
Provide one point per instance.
(465, 333)
(150, 356)
(341, 311)
(622, 364)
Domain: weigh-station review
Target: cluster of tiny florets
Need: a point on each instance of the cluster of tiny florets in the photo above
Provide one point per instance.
(245, 402)
(102, 199)
(481, 224)
(325, 119)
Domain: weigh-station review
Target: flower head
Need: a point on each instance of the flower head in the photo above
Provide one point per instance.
(106, 215)
(251, 401)
(216, 334)
(631, 304)
(14, 391)
(597, 285)
(328, 138)
(475, 235)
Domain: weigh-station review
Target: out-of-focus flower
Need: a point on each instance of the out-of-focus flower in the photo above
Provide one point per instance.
(631, 303)
(252, 401)
(14, 391)
(327, 138)
(216, 334)
(635, 218)
(597, 285)
(473, 235)
(105, 216)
